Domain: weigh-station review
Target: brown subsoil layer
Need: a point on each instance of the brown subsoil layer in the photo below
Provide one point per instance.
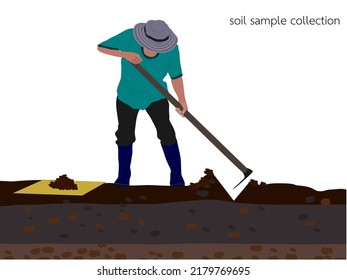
(172, 251)
(208, 188)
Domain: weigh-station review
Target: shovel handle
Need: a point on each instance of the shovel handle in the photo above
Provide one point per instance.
(195, 122)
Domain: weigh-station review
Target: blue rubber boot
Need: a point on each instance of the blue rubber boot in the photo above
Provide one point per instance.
(173, 158)
(124, 159)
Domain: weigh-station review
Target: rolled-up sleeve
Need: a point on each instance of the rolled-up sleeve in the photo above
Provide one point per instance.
(175, 69)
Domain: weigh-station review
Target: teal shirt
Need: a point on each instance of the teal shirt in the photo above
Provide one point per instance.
(134, 89)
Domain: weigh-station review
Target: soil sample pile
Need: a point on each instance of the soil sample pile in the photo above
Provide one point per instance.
(63, 183)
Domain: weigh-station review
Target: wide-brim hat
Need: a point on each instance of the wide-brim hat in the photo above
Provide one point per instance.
(155, 35)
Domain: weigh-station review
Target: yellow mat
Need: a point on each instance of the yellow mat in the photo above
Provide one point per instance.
(42, 187)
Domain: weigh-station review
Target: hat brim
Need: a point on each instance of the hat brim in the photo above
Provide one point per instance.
(148, 43)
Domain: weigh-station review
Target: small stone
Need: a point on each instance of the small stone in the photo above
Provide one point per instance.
(191, 226)
(53, 220)
(27, 208)
(309, 223)
(128, 200)
(82, 251)
(326, 251)
(82, 225)
(94, 253)
(243, 210)
(292, 249)
(123, 216)
(47, 250)
(98, 226)
(143, 197)
(202, 193)
(73, 216)
(310, 199)
(291, 256)
(234, 234)
(120, 256)
(325, 202)
(64, 235)
(219, 255)
(35, 251)
(177, 255)
(206, 229)
(111, 249)
(29, 229)
(256, 248)
(154, 233)
(66, 255)
(231, 227)
(302, 217)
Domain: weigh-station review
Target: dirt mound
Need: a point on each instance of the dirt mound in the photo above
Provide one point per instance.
(63, 183)
(289, 194)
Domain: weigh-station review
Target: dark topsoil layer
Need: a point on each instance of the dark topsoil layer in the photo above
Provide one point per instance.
(208, 188)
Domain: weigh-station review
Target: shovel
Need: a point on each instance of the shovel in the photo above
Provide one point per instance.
(246, 171)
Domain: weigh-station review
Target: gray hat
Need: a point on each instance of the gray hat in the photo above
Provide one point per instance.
(155, 35)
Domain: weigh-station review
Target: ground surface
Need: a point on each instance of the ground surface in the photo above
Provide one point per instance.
(265, 221)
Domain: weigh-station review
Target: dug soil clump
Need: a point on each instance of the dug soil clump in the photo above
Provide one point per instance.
(63, 183)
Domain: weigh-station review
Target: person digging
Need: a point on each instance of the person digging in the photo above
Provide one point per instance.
(154, 45)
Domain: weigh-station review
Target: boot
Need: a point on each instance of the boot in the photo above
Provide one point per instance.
(173, 158)
(124, 160)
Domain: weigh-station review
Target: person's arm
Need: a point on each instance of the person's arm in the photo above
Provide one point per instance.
(130, 56)
(178, 86)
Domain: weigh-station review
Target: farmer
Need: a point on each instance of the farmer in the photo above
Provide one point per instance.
(154, 45)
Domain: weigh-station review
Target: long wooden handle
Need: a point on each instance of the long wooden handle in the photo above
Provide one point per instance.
(194, 121)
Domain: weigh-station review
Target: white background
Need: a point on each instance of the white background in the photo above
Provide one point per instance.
(274, 96)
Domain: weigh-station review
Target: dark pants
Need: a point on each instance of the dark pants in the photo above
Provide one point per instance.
(159, 113)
